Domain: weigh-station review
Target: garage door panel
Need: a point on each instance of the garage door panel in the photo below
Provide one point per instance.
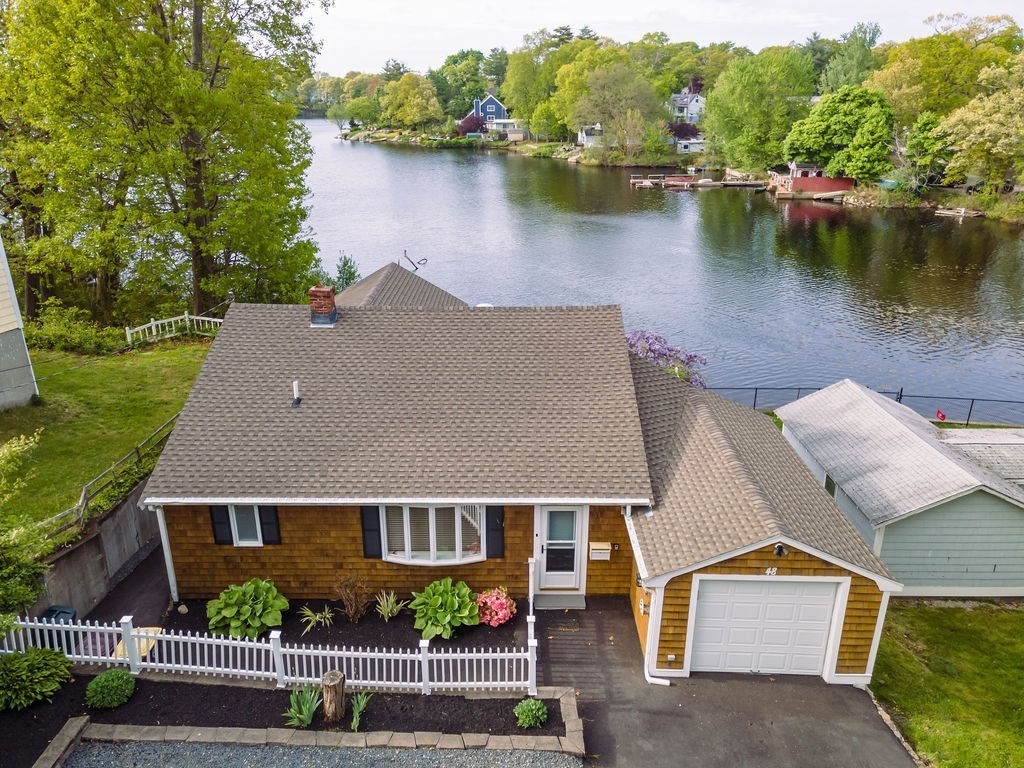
(746, 611)
(780, 612)
(741, 636)
(767, 626)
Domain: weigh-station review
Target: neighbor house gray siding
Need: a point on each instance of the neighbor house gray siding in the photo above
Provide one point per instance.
(17, 384)
(964, 546)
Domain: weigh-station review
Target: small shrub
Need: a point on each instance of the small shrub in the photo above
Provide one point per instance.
(531, 713)
(70, 329)
(443, 607)
(304, 702)
(32, 676)
(359, 702)
(110, 689)
(247, 610)
(496, 607)
(311, 618)
(389, 606)
(354, 596)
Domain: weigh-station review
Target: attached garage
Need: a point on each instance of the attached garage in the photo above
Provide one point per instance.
(744, 564)
(762, 625)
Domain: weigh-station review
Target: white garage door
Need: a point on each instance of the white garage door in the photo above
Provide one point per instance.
(762, 625)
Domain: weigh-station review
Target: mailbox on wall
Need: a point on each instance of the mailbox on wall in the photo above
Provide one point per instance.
(600, 550)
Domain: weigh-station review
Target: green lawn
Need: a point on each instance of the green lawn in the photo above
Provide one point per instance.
(953, 678)
(95, 414)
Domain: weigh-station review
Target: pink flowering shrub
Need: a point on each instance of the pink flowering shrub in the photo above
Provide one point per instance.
(496, 607)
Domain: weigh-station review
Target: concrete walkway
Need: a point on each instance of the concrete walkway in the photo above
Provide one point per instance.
(706, 721)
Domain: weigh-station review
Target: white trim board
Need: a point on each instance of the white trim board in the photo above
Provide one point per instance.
(885, 584)
(286, 501)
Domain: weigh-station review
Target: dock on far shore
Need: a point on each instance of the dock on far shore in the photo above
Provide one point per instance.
(661, 181)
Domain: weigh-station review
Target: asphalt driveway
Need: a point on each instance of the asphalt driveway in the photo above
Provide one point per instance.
(708, 720)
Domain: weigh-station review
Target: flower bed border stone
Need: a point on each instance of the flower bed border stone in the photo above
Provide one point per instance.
(78, 728)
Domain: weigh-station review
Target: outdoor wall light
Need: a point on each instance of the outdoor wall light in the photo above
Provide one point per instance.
(780, 551)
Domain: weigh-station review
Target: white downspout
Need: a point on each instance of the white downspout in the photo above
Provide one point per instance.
(172, 582)
(651, 625)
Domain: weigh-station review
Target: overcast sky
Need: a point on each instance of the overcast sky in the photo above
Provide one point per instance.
(361, 36)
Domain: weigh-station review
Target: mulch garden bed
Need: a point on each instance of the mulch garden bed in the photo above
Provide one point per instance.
(24, 735)
(369, 632)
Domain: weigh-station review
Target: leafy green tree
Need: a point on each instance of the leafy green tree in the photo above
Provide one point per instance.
(586, 33)
(393, 70)
(924, 153)
(562, 35)
(545, 122)
(410, 101)
(459, 81)
(611, 93)
(848, 133)
(853, 60)
(533, 70)
(572, 80)
(495, 65)
(940, 73)
(754, 105)
(187, 169)
(988, 130)
(820, 50)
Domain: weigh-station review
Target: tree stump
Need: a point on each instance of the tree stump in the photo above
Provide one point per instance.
(334, 696)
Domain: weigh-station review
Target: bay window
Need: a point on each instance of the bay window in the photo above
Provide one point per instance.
(427, 535)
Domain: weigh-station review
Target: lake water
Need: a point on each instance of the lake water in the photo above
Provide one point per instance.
(774, 294)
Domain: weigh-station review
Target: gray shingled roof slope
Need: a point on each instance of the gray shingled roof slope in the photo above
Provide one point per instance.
(999, 450)
(888, 459)
(394, 286)
(471, 403)
(724, 478)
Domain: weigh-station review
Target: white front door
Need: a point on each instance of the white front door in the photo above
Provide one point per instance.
(762, 625)
(561, 532)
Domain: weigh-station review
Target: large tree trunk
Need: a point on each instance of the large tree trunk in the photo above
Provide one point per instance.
(196, 204)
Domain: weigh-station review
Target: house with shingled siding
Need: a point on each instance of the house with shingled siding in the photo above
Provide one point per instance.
(400, 435)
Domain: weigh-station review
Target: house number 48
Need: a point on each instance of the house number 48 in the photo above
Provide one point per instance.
(770, 571)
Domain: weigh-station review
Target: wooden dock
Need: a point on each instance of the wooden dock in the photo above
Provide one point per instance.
(959, 213)
(661, 181)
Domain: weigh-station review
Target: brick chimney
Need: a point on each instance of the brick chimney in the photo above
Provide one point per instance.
(322, 310)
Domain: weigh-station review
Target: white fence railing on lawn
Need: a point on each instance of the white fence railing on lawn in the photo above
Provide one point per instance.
(422, 669)
(170, 327)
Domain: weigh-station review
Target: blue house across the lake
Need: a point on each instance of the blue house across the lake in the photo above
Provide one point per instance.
(489, 108)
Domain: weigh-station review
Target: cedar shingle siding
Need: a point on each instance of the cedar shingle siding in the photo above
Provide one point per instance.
(862, 606)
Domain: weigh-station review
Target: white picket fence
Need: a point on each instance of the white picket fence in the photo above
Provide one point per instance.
(423, 669)
(170, 327)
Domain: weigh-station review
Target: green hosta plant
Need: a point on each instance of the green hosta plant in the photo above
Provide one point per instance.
(247, 610)
(304, 703)
(32, 676)
(389, 606)
(531, 713)
(443, 607)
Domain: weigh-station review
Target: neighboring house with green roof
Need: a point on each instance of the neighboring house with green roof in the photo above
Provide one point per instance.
(395, 434)
(942, 508)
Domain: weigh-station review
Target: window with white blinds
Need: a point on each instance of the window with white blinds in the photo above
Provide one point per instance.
(435, 535)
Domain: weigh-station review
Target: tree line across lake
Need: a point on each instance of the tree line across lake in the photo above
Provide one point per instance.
(150, 161)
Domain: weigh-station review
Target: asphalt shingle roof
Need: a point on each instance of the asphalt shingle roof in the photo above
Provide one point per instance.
(888, 459)
(1000, 450)
(394, 286)
(724, 478)
(464, 403)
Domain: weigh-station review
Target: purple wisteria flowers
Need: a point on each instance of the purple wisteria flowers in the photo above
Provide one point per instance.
(651, 346)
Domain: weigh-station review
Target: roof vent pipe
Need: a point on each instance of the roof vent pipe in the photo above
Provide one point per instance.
(296, 399)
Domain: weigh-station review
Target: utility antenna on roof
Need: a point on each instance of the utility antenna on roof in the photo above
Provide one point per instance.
(415, 264)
